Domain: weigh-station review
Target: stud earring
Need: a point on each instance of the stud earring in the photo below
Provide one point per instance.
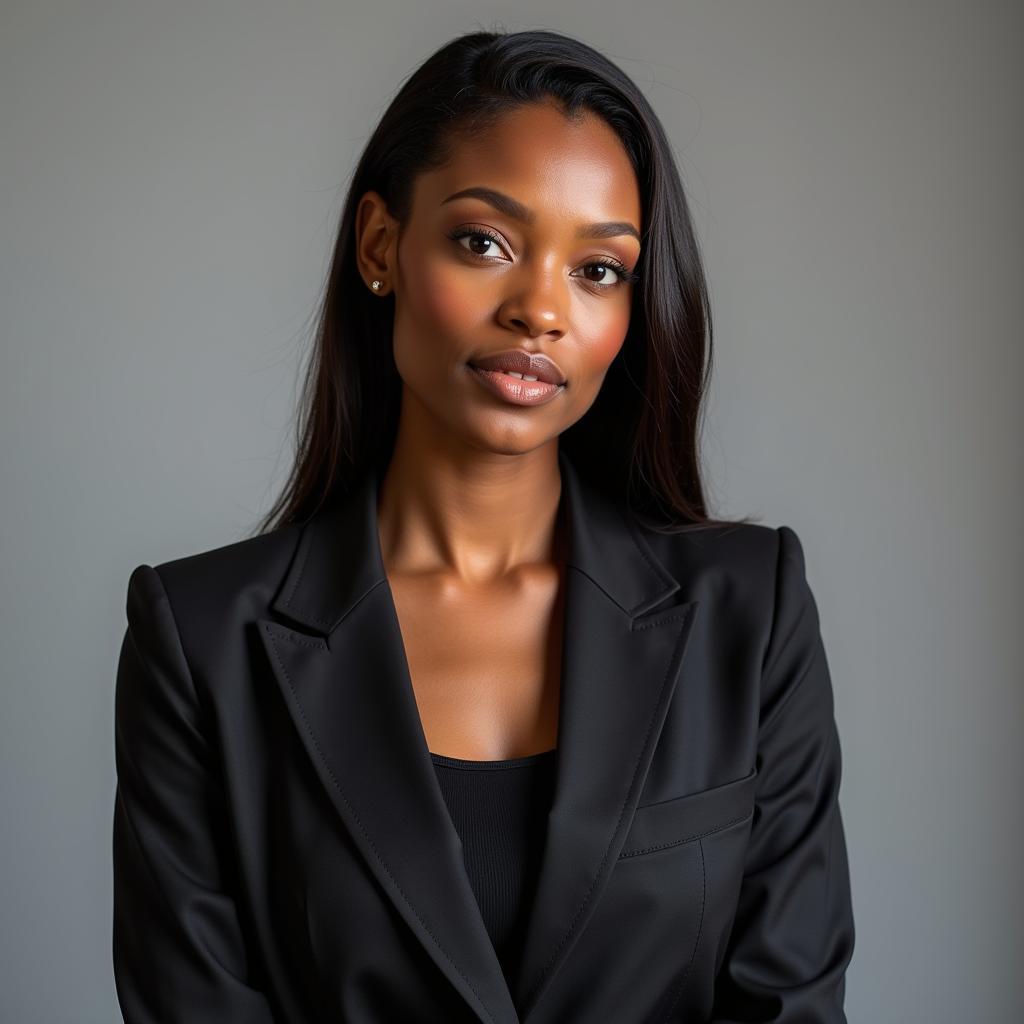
(376, 285)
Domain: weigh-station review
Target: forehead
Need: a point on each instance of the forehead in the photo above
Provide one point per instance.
(573, 169)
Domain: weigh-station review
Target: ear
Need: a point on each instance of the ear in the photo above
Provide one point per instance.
(375, 233)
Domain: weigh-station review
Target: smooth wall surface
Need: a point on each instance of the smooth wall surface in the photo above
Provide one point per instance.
(170, 181)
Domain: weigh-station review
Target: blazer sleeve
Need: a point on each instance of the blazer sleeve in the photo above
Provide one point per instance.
(793, 933)
(178, 948)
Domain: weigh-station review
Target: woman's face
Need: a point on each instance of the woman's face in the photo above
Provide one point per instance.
(535, 254)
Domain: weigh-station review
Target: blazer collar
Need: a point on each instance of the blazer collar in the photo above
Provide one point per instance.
(349, 692)
(339, 560)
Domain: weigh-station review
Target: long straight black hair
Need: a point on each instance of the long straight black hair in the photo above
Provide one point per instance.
(639, 439)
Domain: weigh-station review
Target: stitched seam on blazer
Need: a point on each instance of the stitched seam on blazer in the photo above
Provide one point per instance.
(604, 859)
(661, 621)
(700, 928)
(369, 839)
(301, 641)
(686, 839)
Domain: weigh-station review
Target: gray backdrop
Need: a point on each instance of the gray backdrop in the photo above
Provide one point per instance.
(170, 180)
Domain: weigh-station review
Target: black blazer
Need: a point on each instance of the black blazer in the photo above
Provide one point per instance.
(282, 850)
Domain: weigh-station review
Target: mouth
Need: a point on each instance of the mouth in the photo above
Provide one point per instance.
(529, 367)
(516, 388)
(519, 376)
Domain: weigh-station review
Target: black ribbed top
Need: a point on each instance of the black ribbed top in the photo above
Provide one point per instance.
(500, 809)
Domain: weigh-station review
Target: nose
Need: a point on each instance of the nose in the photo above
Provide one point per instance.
(535, 302)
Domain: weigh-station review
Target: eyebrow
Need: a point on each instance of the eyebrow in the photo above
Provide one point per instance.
(517, 211)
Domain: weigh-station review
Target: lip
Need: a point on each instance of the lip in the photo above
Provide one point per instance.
(517, 360)
(514, 390)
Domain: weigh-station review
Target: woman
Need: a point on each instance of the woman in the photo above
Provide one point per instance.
(491, 721)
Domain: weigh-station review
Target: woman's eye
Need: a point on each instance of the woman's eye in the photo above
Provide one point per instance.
(609, 274)
(481, 243)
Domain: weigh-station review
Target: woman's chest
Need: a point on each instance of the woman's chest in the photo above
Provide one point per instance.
(484, 663)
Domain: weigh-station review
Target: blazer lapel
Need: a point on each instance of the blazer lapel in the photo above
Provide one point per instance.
(352, 702)
(621, 656)
(348, 689)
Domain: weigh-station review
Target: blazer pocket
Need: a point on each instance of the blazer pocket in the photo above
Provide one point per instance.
(682, 819)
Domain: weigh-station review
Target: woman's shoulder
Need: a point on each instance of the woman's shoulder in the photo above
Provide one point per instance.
(734, 564)
(744, 547)
(206, 588)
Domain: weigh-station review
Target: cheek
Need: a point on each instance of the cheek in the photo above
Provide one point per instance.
(604, 336)
(437, 313)
(440, 299)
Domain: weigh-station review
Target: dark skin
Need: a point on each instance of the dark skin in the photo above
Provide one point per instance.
(469, 512)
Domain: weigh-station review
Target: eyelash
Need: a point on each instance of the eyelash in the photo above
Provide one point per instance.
(625, 275)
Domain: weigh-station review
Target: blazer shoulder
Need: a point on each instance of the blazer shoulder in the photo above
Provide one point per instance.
(748, 550)
(205, 587)
(737, 567)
